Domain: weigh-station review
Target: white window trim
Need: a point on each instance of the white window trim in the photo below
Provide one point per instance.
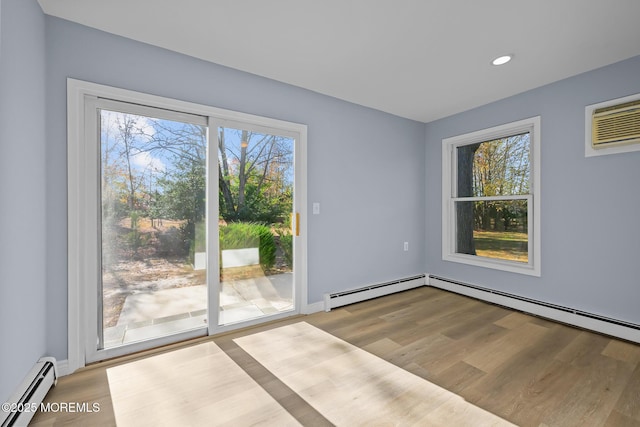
(449, 145)
(81, 235)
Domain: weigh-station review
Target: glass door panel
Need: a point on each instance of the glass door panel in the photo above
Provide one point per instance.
(153, 228)
(256, 183)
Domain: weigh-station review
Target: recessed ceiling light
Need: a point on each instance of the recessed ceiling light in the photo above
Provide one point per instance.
(501, 60)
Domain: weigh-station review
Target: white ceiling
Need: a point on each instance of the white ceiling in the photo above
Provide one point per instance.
(420, 59)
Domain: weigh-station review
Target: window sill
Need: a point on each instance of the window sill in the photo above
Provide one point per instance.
(494, 264)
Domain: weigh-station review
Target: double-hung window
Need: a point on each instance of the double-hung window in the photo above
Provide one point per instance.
(491, 197)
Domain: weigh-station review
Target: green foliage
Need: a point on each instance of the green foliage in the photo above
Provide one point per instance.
(184, 198)
(200, 240)
(135, 216)
(510, 246)
(170, 243)
(162, 174)
(499, 167)
(187, 233)
(255, 176)
(286, 242)
(264, 208)
(184, 195)
(197, 239)
(267, 247)
(113, 209)
(133, 238)
(259, 206)
(239, 235)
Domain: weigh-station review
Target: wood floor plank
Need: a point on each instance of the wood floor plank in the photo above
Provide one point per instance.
(447, 353)
(144, 392)
(623, 351)
(616, 419)
(494, 355)
(477, 319)
(520, 375)
(365, 331)
(459, 376)
(628, 403)
(86, 385)
(418, 350)
(527, 370)
(541, 395)
(585, 349)
(436, 319)
(390, 303)
(593, 397)
(383, 346)
(354, 388)
(513, 320)
(289, 400)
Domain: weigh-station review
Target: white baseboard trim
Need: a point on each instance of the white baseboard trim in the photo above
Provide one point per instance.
(593, 322)
(63, 368)
(364, 293)
(313, 308)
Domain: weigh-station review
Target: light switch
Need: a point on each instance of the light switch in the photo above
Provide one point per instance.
(316, 208)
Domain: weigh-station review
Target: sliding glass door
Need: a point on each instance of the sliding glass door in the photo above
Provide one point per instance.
(256, 181)
(181, 224)
(153, 187)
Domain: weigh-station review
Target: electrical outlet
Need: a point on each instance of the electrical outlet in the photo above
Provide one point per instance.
(406, 246)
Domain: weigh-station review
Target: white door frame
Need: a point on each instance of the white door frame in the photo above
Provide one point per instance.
(82, 232)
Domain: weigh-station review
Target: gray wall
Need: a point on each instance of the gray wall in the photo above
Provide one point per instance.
(590, 206)
(22, 191)
(364, 167)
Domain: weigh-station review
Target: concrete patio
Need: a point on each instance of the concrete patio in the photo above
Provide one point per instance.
(150, 314)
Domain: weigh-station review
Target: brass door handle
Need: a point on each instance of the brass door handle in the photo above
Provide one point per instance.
(297, 224)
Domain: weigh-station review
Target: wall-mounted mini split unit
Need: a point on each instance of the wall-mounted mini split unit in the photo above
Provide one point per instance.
(613, 126)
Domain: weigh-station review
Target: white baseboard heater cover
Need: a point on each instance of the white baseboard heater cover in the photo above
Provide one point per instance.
(582, 319)
(30, 393)
(364, 293)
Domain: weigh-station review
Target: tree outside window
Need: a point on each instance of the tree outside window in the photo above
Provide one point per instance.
(490, 197)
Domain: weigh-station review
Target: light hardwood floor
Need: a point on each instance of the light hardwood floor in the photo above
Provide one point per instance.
(524, 369)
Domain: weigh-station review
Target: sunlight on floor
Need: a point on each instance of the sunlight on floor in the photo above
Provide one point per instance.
(202, 385)
(350, 386)
(198, 385)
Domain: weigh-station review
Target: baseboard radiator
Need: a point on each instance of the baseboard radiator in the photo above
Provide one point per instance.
(582, 319)
(352, 296)
(27, 398)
